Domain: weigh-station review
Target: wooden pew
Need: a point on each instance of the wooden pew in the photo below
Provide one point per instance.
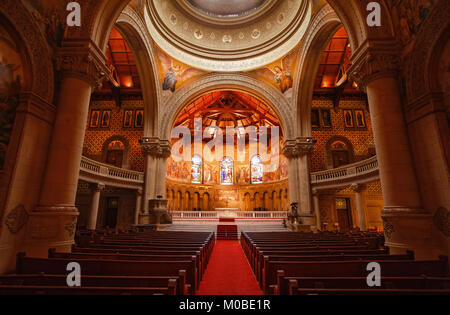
(65, 290)
(28, 265)
(282, 286)
(432, 268)
(35, 280)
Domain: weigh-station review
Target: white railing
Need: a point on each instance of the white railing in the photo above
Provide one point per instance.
(93, 171)
(233, 214)
(367, 168)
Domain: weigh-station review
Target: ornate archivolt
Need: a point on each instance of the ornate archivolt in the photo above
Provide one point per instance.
(135, 32)
(323, 25)
(41, 82)
(170, 109)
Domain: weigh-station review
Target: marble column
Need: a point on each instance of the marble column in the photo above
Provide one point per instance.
(290, 150)
(406, 224)
(359, 190)
(305, 148)
(315, 194)
(138, 205)
(150, 149)
(81, 67)
(95, 202)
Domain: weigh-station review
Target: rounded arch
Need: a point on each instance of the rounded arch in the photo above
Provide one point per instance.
(126, 151)
(427, 49)
(136, 35)
(324, 25)
(348, 146)
(240, 82)
(39, 78)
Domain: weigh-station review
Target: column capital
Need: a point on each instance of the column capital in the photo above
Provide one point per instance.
(372, 62)
(315, 192)
(139, 192)
(156, 148)
(97, 187)
(82, 59)
(298, 147)
(358, 187)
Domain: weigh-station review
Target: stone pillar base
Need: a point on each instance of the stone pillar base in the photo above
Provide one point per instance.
(410, 229)
(49, 229)
(296, 227)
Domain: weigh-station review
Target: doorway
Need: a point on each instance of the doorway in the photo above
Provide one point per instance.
(112, 209)
(344, 217)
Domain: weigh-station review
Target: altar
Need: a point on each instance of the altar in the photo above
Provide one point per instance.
(227, 212)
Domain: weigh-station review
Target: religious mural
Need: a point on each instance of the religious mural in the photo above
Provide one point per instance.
(227, 172)
(173, 72)
(51, 16)
(11, 76)
(280, 73)
(410, 16)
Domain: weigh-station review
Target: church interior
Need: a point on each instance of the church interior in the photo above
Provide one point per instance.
(239, 147)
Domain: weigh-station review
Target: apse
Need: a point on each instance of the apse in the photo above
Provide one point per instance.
(235, 160)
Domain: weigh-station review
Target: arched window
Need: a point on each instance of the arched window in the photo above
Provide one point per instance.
(256, 169)
(226, 171)
(196, 170)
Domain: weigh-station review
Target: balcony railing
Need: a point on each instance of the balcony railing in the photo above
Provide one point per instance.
(93, 171)
(215, 215)
(366, 170)
(363, 171)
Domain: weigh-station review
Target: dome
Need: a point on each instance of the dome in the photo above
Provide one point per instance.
(227, 36)
(227, 9)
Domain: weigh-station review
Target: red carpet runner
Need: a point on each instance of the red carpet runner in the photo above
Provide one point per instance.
(228, 272)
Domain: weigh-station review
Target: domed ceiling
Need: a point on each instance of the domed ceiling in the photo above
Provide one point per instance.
(227, 36)
(227, 9)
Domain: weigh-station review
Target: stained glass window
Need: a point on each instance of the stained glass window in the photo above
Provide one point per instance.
(196, 169)
(226, 171)
(256, 168)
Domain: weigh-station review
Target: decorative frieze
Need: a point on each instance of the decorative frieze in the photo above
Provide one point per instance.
(82, 60)
(156, 148)
(374, 63)
(299, 147)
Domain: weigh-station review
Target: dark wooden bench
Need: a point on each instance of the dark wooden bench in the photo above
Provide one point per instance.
(34, 280)
(65, 290)
(28, 265)
(432, 268)
(282, 286)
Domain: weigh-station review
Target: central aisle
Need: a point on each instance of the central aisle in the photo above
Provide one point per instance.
(228, 272)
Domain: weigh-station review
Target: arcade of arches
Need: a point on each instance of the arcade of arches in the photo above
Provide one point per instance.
(356, 117)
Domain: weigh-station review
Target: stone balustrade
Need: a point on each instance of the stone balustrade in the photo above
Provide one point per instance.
(360, 172)
(96, 172)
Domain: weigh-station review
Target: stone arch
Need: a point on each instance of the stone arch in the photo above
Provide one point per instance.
(210, 82)
(322, 29)
(427, 49)
(329, 149)
(136, 35)
(40, 81)
(126, 153)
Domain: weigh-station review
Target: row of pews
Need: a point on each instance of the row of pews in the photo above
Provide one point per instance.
(287, 263)
(144, 263)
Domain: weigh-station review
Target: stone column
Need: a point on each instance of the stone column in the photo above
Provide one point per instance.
(93, 215)
(164, 153)
(359, 190)
(305, 148)
(138, 206)
(150, 148)
(81, 67)
(406, 224)
(315, 194)
(290, 150)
